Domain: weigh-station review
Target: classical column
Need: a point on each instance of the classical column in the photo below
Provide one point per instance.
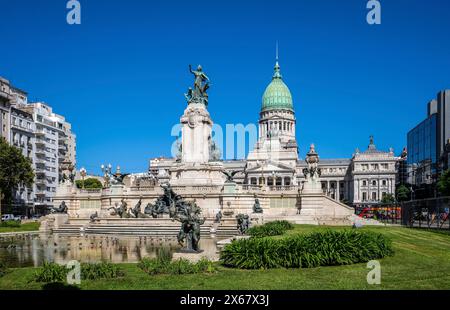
(338, 194)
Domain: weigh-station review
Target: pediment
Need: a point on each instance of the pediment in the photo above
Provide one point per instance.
(269, 167)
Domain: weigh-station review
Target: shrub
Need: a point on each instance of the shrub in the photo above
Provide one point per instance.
(181, 266)
(3, 269)
(12, 224)
(275, 228)
(164, 254)
(102, 270)
(52, 272)
(306, 251)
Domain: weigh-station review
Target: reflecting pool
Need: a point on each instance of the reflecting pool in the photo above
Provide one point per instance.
(34, 250)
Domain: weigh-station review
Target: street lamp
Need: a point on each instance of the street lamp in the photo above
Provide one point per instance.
(83, 175)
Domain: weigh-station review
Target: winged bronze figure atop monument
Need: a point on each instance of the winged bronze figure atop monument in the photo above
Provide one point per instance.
(230, 175)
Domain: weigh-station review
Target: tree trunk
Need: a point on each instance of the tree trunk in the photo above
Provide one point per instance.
(1, 198)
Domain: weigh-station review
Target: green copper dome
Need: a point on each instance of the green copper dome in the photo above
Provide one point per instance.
(277, 94)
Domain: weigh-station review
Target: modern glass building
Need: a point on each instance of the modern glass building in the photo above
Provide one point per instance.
(423, 151)
(427, 142)
(422, 140)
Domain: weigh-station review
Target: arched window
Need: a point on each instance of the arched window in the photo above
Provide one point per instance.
(279, 181)
(253, 181)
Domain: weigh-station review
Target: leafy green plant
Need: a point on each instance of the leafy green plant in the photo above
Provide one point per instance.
(154, 266)
(50, 273)
(326, 248)
(275, 228)
(104, 270)
(3, 269)
(443, 183)
(164, 254)
(12, 224)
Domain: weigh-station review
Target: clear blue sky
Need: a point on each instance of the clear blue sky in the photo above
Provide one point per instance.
(120, 76)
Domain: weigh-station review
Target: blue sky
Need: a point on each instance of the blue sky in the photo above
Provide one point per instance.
(119, 77)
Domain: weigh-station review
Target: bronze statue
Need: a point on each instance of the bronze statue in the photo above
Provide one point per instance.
(121, 211)
(218, 216)
(243, 223)
(189, 234)
(201, 85)
(230, 175)
(94, 217)
(136, 211)
(62, 209)
(257, 207)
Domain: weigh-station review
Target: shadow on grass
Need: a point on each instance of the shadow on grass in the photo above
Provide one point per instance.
(59, 286)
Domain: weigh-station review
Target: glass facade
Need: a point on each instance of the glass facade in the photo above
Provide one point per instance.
(422, 142)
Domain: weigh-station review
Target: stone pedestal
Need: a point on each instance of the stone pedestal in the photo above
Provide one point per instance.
(197, 174)
(229, 188)
(257, 219)
(312, 186)
(196, 134)
(53, 221)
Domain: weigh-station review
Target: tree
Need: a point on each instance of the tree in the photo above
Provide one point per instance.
(443, 184)
(89, 183)
(388, 198)
(15, 170)
(403, 193)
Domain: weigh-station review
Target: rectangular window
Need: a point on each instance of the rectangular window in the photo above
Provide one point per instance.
(374, 196)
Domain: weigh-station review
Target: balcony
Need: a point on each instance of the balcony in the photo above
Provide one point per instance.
(40, 142)
(5, 95)
(40, 161)
(40, 151)
(41, 182)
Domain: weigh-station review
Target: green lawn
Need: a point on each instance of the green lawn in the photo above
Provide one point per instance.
(32, 226)
(421, 261)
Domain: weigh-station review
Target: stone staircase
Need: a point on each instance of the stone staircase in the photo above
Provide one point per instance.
(142, 230)
(226, 228)
(153, 227)
(69, 229)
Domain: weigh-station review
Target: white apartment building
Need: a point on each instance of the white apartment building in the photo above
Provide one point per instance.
(5, 108)
(53, 136)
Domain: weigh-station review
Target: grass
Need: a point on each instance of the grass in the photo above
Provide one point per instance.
(32, 226)
(421, 261)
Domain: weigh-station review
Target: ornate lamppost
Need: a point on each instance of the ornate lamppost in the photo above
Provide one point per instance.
(106, 173)
(83, 173)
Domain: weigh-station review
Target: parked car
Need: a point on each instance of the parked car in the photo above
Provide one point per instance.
(10, 217)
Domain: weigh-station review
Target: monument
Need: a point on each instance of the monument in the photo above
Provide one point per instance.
(198, 159)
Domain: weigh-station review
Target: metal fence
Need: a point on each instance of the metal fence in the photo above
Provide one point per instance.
(390, 213)
(425, 213)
